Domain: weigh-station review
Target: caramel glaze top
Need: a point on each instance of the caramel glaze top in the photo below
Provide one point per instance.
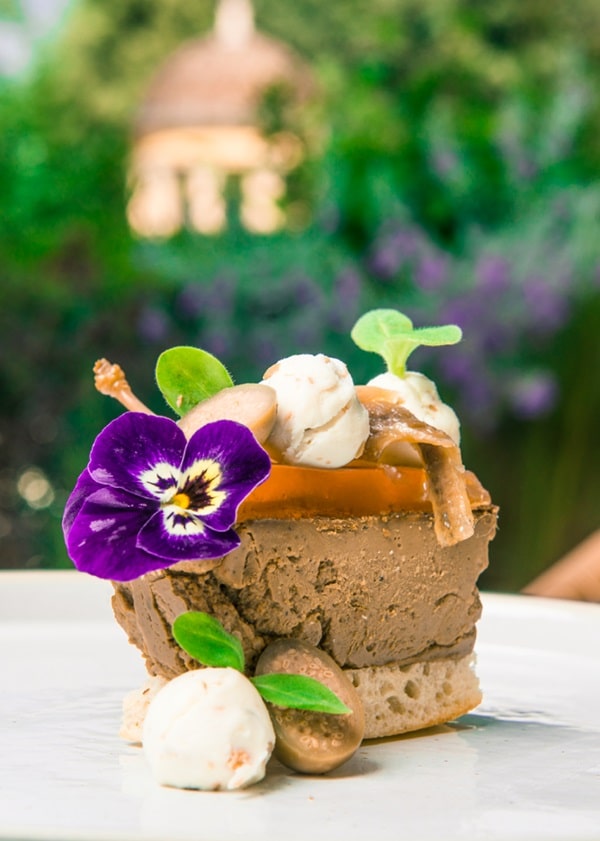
(363, 489)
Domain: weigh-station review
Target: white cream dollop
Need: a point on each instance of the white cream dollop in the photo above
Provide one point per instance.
(420, 396)
(208, 729)
(319, 422)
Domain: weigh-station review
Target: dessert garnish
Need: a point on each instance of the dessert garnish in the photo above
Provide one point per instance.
(319, 422)
(391, 334)
(149, 498)
(392, 427)
(306, 740)
(252, 404)
(187, 375)
(205, 639)
(405, 409)
(209, 729)
(110, 380)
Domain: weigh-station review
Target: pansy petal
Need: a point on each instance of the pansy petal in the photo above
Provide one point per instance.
(84, 487)
(174, 534)
(242, 465)
(139, 453)
(102, 536)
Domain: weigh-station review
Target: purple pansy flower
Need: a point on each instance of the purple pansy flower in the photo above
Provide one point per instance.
(149, 498)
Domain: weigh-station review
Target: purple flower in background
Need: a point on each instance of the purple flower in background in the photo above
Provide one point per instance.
(346, 299)
(347, 287)
(493, 274)
(431, 273)
(149, 498)
(533, 395)
(217, 340)
(307, 293)
(468, 311)
(214, 299)
(384, 262)
(444, 162)
(392, 252)
(153, 324)
(526, 168)
(306, 334)
(517, 157)
(549, 308)
(264, 348)
(221, 296)
(457, 368)
(191, 301)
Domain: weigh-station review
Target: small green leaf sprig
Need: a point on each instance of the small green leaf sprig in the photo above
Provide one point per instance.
(391, 334)
(204, 638)
(188, 375)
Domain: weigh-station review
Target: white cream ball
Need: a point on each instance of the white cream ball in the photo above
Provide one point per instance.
(320, 421)
(208, 729)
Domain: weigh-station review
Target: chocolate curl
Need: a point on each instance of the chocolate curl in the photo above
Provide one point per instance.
(453, 517)
(392, 427)
(110, 380)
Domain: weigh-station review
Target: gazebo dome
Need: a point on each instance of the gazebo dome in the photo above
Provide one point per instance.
(198, 125)
(219, 79)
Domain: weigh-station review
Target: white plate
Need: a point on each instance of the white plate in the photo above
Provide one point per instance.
(525, 765)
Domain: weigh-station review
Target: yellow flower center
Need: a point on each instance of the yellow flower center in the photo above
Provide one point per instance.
(182, 500)
(198, 492)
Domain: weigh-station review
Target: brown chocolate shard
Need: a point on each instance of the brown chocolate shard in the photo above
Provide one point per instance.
(453, 517)
(392, 428)
(368, 590)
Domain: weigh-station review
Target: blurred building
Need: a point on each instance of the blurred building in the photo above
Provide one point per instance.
(198, 131)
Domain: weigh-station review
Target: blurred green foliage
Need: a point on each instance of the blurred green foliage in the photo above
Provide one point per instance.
(10, 10)
(452, 172)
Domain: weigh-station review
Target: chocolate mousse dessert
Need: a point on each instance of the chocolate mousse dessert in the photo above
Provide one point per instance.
(365, 540)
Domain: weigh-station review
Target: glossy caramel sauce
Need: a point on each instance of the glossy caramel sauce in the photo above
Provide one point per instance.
(361, 490)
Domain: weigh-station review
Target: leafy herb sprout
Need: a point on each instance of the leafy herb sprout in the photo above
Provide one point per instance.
(392, 335)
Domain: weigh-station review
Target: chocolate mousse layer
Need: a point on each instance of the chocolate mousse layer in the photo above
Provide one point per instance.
(369, 590)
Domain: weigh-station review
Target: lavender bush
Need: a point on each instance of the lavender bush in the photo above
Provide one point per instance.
(513, 292)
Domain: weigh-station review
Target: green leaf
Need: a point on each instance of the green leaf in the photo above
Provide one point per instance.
(449, 334)
(188, 375)
(374, 328)
(299, 692)
(205, 639)
(392, 335)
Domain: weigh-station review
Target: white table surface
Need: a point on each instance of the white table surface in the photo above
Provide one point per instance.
(524, 765)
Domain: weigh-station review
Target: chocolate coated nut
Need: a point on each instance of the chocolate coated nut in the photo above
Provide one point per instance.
(307, 741)
(252, 404)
